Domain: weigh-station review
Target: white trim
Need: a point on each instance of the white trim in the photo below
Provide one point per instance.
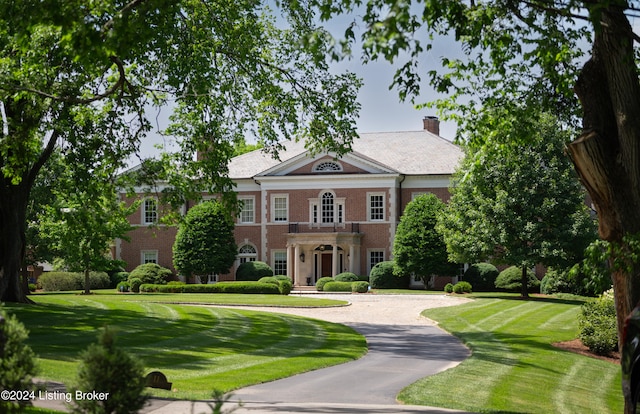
(384, 206)
(272, 206)
(322, 181)
(246, 198)
(143, 211)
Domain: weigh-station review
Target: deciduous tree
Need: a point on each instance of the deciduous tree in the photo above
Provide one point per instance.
(229, 68)
(418, 248)
(517, 201)
(205, 241)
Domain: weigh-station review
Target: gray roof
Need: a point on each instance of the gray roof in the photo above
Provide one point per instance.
(410, 153)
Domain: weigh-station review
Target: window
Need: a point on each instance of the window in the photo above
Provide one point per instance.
(280, 208)
(247, 253)
(247, 214)
(327, 166)
(375, 257)
(327, 207)
(149, 256)
(280, 262)
(376, 207)
(149, 211)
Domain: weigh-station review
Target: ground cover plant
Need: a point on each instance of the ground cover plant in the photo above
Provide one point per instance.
(511, 339)
(198, 348)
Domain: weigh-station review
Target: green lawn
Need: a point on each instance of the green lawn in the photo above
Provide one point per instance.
(199, 348)
(513, 367)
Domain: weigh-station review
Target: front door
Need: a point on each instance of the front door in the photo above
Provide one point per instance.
(326, 268)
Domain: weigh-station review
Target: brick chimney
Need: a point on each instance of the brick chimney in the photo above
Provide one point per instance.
(432, 124)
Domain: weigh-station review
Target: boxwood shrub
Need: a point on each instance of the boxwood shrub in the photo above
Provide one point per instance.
(448, 288)
(462, 287)
(510, 279)
(597, 323)
(346, 277)
(135, 283)
(220, 287)
(151, 273)
(321, 282)
(360, 287)
(482, 276)
(382, 277)
(253, 271)
(62, 281)
(335, 286)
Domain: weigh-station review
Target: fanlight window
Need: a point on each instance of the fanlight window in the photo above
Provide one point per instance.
(247, 253)
(328, 166)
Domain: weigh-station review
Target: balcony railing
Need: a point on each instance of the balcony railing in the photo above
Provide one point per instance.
(324, 227)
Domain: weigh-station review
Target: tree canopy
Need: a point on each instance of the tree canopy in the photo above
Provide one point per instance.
(205, 241)
(516, 203)
(85, 77)
(418, 248)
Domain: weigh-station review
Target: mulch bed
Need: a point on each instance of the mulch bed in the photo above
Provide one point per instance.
(578, 347)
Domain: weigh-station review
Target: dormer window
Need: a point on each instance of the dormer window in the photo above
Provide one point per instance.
(327, 166)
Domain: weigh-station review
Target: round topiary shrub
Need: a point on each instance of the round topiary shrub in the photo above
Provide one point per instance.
(253, 271)
(510, 279)
(123, 287)
(448, 288)
(151, 273)
(462, 287)
(382, 277)
(346, 277)
(321, 282)
(482, 276)
(285, 286)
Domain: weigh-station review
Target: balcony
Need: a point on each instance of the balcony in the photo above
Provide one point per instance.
(324, 228)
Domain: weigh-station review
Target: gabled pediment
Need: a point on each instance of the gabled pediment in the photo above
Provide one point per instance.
(323, 164)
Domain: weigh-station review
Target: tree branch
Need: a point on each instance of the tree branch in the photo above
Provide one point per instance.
(78, 101)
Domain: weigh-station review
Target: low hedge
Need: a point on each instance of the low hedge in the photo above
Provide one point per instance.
(335, 286)
(360, 287)
(63, 281)
(346, 277)
(220, 287)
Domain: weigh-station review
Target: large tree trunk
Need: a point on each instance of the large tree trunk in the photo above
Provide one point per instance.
(13, 207)
(524, 279)
(607, 155)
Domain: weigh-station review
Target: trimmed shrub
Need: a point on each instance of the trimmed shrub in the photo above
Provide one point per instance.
(253, 271)
(597, 323)
(151, 273)
(135, 283)
(285, 286)
(220, 287)
(510, 279)
(360, 287)
(63, 281)
(32, 287)
(106, 368)
(321, 282)
(118, 277)
(346, 277)
(448, 288)
(337, 287)
(462, 287)
(123, 287)
(382, 277)
(482, 276)
(17, 364)
(283, 277)
(269, 279)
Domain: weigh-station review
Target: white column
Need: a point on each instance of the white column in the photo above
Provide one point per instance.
(352, 258)
(296, 268)
(289, 261)
(334, 260)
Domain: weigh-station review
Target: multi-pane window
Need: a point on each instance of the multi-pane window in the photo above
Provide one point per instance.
(247, 253)
(150, 211)
(327, 207)
(375, 257)
(280, 262)
(280, 209)
(247, 214)
(149, 256)
(376, 207)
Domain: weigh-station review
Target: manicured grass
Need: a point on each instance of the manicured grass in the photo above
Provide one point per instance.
(513, 367)
(199, 348)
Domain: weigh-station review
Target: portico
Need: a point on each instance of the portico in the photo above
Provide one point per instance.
(315, 255)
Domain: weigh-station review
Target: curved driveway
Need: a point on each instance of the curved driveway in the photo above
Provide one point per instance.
(403, 347)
